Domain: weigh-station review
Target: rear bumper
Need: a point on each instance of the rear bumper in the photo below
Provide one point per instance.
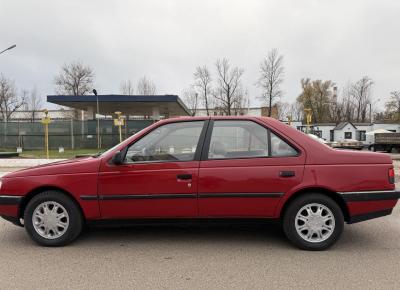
(367, 216)
(366, 205)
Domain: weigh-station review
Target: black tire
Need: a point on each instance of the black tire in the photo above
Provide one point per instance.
(75, 218)
(289, 221)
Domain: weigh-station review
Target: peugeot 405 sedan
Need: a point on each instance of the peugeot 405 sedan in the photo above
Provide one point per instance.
(205, 169)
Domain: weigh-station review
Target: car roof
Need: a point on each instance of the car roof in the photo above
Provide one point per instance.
(186, 118)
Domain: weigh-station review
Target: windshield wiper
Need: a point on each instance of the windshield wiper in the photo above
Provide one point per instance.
(97, 154)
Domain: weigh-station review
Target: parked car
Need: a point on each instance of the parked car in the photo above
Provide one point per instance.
(320, 140)
(205, 169)
(348, 144)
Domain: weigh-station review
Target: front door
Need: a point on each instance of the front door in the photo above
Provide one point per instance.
(158, 177)
(246, 170)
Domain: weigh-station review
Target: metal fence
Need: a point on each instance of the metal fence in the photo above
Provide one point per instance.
(70, 134)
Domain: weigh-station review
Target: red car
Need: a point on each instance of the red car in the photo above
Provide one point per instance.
(204, 169)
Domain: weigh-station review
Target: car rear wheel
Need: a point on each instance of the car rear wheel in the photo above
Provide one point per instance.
(313, 222)
(52, 218)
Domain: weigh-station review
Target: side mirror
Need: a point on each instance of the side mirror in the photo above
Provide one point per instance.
(117, 158)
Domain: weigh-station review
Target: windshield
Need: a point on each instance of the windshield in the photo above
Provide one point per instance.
(109, 150)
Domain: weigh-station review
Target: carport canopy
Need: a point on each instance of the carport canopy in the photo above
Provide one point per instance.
(129, 105)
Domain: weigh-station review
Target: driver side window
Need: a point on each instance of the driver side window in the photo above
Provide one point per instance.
(171, 142)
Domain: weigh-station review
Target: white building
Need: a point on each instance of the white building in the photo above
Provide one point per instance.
(347, 130)
(251, 111)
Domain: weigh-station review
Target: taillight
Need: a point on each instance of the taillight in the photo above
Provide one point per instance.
(391, 176)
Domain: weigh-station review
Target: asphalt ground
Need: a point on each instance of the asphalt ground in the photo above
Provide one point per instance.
(203, 257)
(194, 257)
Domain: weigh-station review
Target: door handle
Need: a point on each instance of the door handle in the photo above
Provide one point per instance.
(287, 173)
(184, 176)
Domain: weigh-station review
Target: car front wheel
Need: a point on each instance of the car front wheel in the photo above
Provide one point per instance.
(52, 218)
(313, 222)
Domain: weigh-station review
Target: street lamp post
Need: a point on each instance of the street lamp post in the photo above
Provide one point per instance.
(98, 119)
(9, 48)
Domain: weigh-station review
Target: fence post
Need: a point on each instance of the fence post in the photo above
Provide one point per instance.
(5, 130)
(72, 134)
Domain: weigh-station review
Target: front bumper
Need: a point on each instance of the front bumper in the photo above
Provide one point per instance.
(9, 208)
(366, 205)
(10, 199)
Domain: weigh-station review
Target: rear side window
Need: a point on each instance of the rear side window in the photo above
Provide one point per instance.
(280, 148)
(246, 139)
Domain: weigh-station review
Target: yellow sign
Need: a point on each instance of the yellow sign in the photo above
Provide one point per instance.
(46, 120)
(289, 120)
(309, 118)
(119, 122)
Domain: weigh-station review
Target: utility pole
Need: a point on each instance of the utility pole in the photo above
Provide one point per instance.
(370, 113)
(370, 109)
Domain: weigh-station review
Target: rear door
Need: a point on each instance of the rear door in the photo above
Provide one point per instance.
(246, 169)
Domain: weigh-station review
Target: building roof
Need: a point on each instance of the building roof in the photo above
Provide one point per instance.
(363, 124)
(386, 122)
(168, 105)
(341, 125)
(324, 124)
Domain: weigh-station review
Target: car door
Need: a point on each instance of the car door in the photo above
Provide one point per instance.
(158, 177)
(245, 170)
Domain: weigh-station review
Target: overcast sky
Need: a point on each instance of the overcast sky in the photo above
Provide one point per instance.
(166, 39)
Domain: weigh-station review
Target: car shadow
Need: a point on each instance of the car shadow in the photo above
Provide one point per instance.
(269, 234)
(266, 235)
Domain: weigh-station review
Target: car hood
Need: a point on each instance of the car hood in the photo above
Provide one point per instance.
(72, 166)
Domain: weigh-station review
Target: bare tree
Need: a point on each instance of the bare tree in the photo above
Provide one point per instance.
(346, 105)
(242, 103)
(228, 91)
(9, 100)
(127, 87)
(393, 106)
(361, 95)
(191, 99)
(146, 87)
(283, 110)
(296, 111)
(74, 79)
(202, 81)
(33, 103)
(272, 71)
